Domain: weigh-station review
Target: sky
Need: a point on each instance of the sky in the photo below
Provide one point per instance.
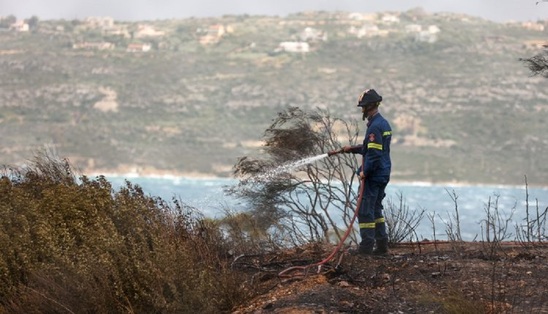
(135, 10)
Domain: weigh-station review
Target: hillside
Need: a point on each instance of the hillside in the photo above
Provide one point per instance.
(193, 95)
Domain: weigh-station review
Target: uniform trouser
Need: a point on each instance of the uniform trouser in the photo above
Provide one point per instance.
(370, 216)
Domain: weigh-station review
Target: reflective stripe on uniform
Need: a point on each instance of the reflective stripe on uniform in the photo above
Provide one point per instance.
(367, 225)
(387, 133)
(379, 220)
(375, 146)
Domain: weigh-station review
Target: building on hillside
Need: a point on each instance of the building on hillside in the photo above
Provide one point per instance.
(430, 35)
(138, 47)
(426, 37)
(209, 40)
(116, 30)
(390, 19)
(93, 45)
(20, 26)
(433, 29)
(533, 26)
(216, 30)
(310, 34)
(367, 30)
(293, 46)
(214, 33)
(99, 21)
(413, 28)
(356, 16)
(147, 31)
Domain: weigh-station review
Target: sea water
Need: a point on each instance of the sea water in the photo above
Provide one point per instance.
(210, 197)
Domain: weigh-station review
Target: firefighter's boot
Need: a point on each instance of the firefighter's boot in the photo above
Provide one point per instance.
(381, 237)
(382, 247)
(367, 233)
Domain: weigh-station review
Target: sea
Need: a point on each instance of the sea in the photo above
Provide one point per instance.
(438, 201)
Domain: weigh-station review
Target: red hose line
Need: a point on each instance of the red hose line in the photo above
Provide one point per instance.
(341, 242)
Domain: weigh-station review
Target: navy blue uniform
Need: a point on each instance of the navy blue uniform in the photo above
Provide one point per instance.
(376, 166)
(376, 149)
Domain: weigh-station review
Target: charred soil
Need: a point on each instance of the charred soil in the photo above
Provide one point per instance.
(469, 277)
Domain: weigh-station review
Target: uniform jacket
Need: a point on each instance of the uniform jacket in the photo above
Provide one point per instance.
(376, 149)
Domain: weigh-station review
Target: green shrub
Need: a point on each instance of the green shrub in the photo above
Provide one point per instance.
(76, 245)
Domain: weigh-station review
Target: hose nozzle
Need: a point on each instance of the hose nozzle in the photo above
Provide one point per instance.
(335, 152)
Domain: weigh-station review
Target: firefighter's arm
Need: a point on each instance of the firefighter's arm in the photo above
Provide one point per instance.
(357, 149)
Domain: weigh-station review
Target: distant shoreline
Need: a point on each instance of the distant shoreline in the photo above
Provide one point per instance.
(170, 175)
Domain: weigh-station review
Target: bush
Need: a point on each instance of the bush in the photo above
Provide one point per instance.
(75, 245)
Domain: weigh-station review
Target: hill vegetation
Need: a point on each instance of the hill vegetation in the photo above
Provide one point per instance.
(193, 95)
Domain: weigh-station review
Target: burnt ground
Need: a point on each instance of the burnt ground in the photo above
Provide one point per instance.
(467, 277)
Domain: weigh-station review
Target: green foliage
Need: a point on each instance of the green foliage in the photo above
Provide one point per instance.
(76, 245)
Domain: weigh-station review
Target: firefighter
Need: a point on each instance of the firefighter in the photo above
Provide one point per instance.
(375, 169)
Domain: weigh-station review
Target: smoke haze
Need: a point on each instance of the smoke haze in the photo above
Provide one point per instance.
(132, 10)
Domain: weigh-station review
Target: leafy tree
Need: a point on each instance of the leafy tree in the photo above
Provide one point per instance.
(33, 22)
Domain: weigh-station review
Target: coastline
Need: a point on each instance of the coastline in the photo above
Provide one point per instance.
(176, 175)
(135, 172)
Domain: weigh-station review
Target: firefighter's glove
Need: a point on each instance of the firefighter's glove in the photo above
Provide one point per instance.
(360, 173)
(346, 149)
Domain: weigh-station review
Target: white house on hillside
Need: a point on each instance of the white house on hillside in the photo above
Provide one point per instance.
(312, 34)
(20, 26)
(367, 30)
(533, 26)
(356, 16)
(138, 47)
(430, 35)
(294, 46)
(148, 31)
(99, 21)
(390, 19)
(413, 28)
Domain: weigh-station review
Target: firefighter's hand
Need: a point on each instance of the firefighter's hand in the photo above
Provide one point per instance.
(346, 149)
(362, 175)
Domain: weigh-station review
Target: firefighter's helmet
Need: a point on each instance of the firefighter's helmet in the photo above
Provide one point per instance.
(369, 97)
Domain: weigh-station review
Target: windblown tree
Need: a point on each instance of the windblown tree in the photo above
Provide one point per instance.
(312, 202)
(538, 64)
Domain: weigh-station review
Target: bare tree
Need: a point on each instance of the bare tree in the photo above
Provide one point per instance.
(402, 222)
(316, 201)
(313, 202)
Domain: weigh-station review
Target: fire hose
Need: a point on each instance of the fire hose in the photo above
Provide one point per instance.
(305, 269)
